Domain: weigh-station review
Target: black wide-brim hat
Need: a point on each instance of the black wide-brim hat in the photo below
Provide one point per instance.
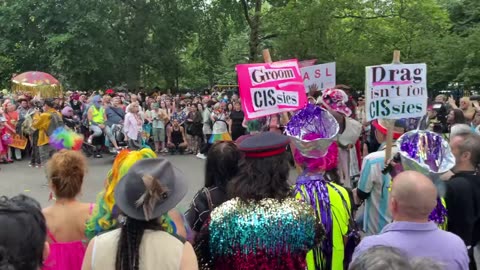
(170, 188)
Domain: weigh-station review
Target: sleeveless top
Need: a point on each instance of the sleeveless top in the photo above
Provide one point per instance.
(158, 250)
(97, 115)
(177, 136)
(220, 126)
(65, 255)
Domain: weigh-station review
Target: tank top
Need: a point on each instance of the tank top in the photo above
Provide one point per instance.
(177, 137)
(158, 250)
(65, 255)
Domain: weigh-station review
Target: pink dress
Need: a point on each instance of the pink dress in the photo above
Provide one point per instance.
(66, 255)
(5, 139)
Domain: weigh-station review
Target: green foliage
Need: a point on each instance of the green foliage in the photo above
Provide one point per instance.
(92, 44)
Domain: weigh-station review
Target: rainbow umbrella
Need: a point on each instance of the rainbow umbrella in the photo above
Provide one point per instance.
(35, 82)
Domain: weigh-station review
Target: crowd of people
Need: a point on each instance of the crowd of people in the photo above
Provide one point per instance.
(345, 210)
(112, 121)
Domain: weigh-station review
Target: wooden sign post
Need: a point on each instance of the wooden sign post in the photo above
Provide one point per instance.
(391, 122)
(267, 58)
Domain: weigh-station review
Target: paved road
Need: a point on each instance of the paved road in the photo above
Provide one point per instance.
(19, 178)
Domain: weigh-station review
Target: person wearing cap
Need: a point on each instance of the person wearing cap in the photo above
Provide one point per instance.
(263, 226)
(373, 184)
(96, 118)
(42, 123)
(23, 107)
(348, 165)
(110, 92)
(144, 195)
(76, 104)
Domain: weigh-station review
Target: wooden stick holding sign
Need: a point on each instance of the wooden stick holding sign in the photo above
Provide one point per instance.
(267, 58)
(391, 122)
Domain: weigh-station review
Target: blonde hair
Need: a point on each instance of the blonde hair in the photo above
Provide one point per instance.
(129, 108)
(465, 99)
(65, 171)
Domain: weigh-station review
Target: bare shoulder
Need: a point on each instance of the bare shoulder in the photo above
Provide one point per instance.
(86, 208)
(49, 214)
(47, 211)
(189, 259)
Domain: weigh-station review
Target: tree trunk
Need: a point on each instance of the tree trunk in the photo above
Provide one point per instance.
(254, 22)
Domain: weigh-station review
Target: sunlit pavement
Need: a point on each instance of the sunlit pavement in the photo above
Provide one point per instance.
(19, 178)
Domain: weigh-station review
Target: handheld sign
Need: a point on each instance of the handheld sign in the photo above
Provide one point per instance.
(19, 142)
(322, 76)
(270, 88)
(396, 91)
(307, 63)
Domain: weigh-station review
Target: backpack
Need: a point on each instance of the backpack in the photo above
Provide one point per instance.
(55, 122)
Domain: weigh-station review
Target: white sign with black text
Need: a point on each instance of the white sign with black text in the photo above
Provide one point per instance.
(396, 91)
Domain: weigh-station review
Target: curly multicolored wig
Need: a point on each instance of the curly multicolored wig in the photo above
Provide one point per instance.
(102, 219)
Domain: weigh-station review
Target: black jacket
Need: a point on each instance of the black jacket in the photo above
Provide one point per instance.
(200, 208)
(463, 206)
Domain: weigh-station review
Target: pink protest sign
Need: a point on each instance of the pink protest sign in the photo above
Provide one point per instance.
(270, 88)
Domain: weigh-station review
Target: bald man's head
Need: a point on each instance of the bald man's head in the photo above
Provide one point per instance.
(413, 196)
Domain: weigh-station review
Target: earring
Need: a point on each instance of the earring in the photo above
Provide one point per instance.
(51, 197)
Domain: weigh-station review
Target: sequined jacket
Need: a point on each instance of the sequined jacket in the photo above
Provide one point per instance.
(268, 234)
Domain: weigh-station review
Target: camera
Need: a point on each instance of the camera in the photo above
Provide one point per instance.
(388, 168)
(38, 105)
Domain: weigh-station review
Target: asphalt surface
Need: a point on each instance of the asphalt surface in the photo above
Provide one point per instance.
(18, 178)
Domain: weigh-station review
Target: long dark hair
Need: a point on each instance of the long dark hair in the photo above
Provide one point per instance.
(458, 117)
(222, 164)
(262, 178)
(128, 252)
(23, 234)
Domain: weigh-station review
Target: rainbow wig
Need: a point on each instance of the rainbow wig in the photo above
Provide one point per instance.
(102, 219)
(64, 138)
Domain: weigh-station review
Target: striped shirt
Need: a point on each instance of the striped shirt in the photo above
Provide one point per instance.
(376, 213)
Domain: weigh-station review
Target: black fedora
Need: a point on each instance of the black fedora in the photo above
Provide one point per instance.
(151, 188)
